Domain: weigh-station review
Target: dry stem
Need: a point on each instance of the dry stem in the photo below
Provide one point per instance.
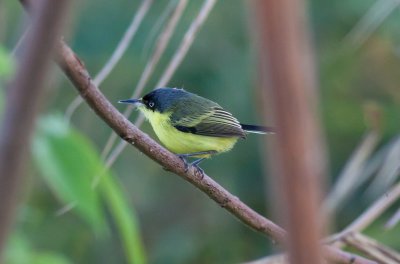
(23, 100)
(116, 56)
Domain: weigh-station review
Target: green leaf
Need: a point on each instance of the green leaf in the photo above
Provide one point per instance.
(68, 162)
(124, 218)
(17, 250)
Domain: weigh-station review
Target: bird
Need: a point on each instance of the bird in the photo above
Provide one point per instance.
(192, 126)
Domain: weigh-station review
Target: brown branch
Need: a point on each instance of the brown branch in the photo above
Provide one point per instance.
(151, 64)
(116, 55)
(372, 248)
(298, 156)
(76, 72)
(23, 99)
(176, 60)
(369, 215)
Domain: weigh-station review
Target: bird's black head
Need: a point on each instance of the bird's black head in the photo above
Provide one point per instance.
(163, 99)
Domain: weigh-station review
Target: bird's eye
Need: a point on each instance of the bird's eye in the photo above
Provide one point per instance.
(151, 104)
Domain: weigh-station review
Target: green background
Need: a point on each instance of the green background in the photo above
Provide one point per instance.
(140, 208)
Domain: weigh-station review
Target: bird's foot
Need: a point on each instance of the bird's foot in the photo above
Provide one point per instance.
(185, 163)
(199, 171)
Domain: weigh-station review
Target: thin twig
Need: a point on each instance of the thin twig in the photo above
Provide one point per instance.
(176, 60)
(22, 103)
(394, 220)
(79, 76)
(186, 42)
(372, 248)
(372, 19)
(144, 78)
(388, 173)
(162, 43)
(349, 178)
(155, 31)
(160, 48)
(369, 215)
(117, 54)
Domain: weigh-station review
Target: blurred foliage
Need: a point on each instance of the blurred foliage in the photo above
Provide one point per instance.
(125, 219)
(19, 251)
(178, 223)
(68, 164)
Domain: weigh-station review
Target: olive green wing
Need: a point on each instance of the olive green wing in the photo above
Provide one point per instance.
(206, 118)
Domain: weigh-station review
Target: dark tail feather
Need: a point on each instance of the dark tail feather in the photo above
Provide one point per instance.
(257, 129)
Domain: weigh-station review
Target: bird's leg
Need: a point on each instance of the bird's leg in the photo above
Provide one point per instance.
(196, 165)
(185, 163)
(196, 162)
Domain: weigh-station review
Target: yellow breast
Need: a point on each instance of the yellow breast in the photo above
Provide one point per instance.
(184, 143)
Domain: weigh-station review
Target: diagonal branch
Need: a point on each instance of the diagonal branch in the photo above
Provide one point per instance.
(79, 76)
(176, 60)
(162, 43)
(350, 178)
(370, 214)
(116, 55)
(372, 248)
(394, 220)
(370, 22)
(76, 72)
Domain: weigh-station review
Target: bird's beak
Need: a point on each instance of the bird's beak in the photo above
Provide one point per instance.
(131, 101)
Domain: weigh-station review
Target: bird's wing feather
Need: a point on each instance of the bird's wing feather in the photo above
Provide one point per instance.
(207, 120)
